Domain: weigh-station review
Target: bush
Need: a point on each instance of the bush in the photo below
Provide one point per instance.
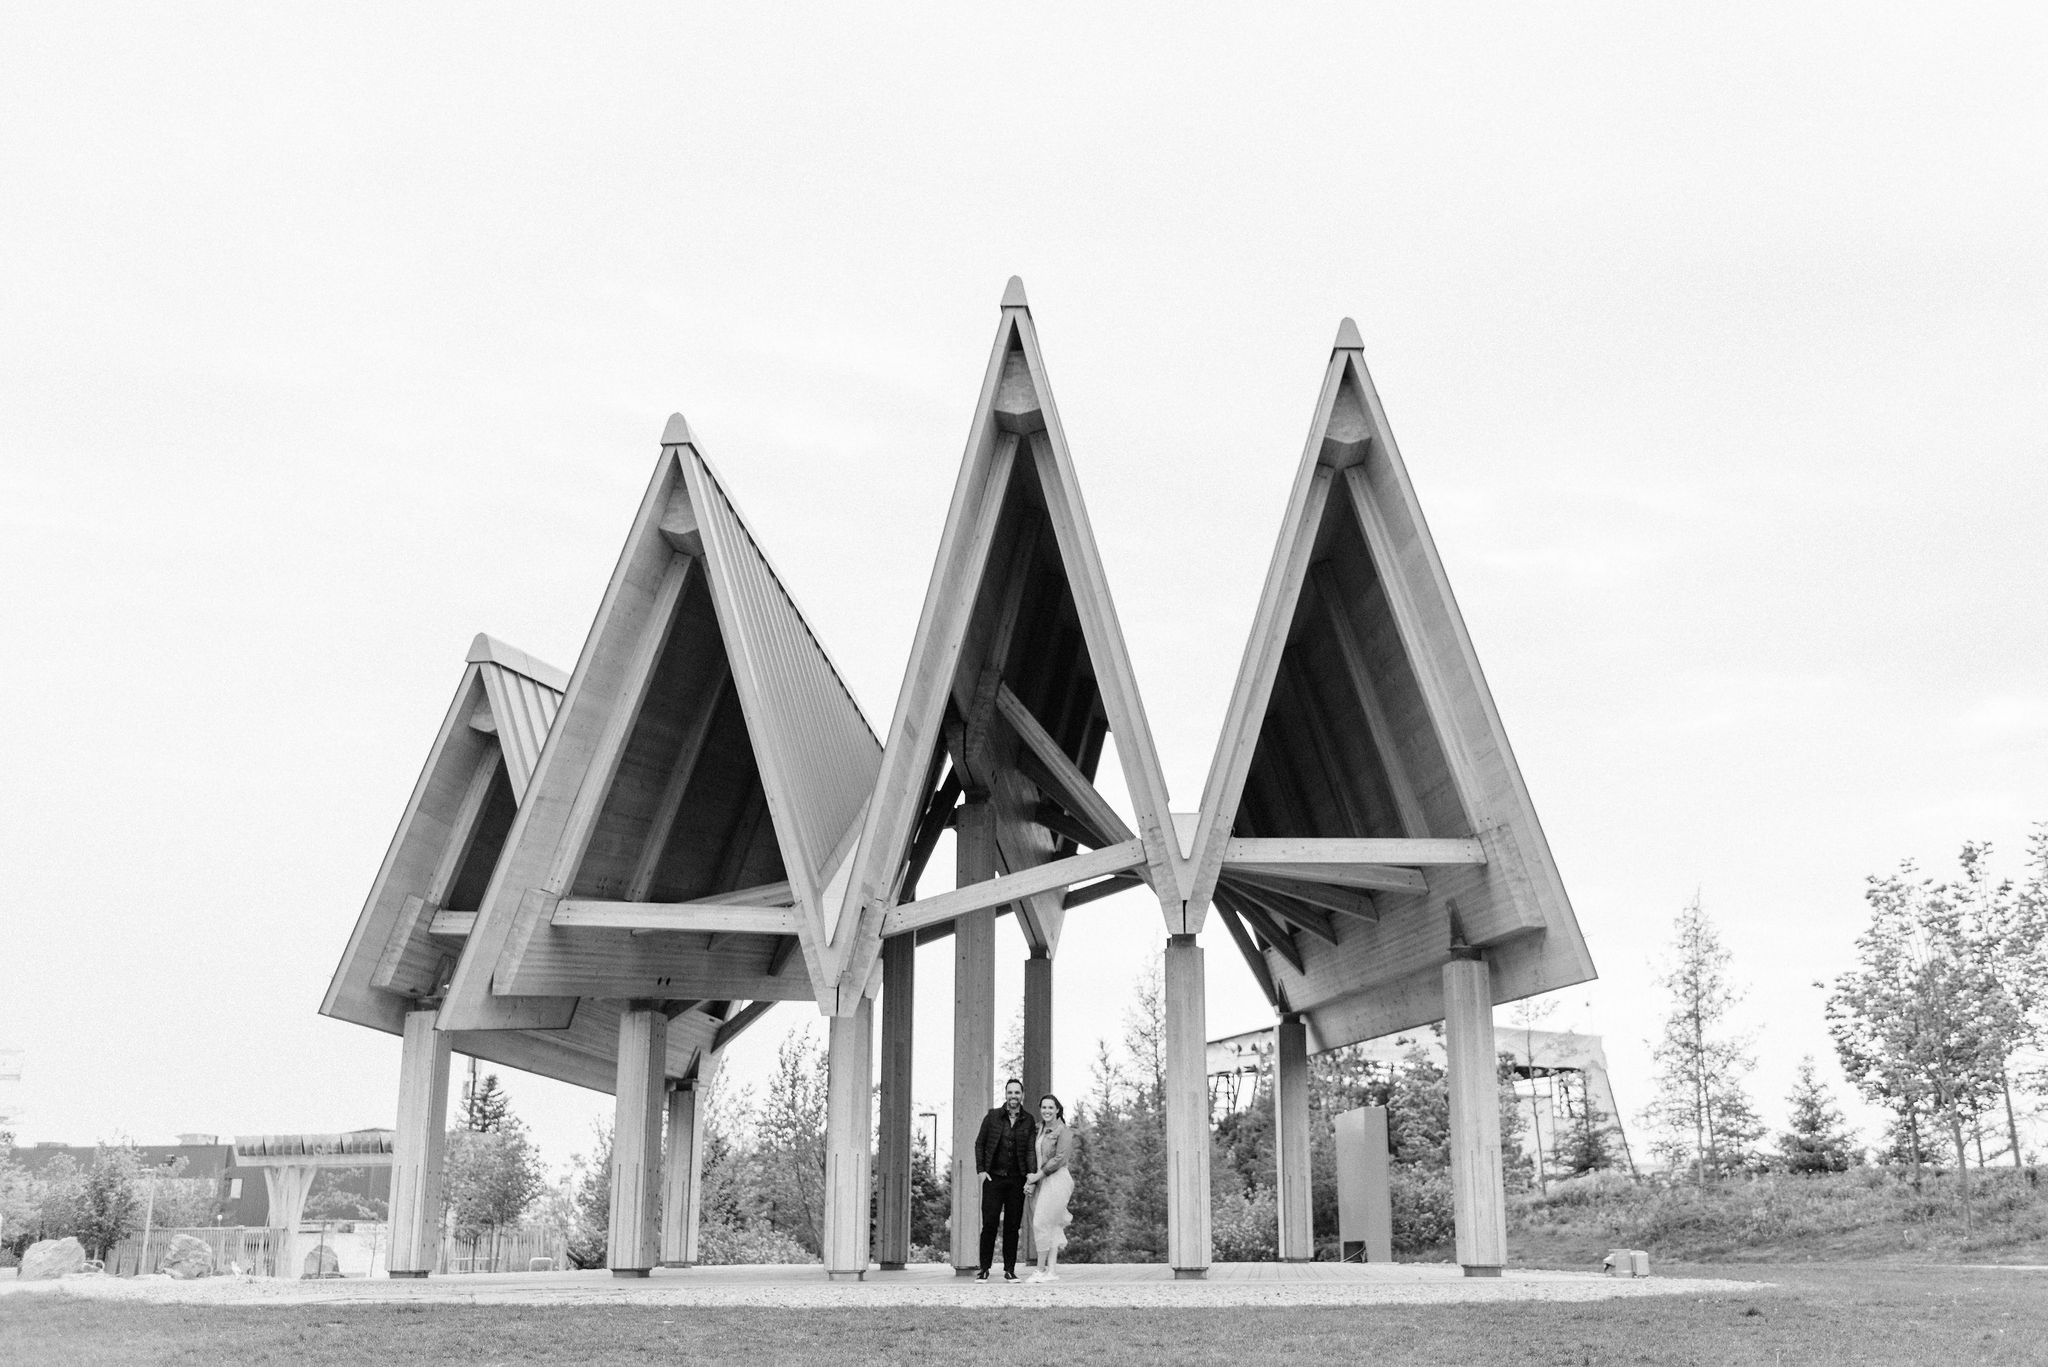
(721, 1245)
(1423, 1213)
(1244, 1226)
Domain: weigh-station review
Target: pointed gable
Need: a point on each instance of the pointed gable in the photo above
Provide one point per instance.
(1364, 812)
(706, 765)
(1018, 674)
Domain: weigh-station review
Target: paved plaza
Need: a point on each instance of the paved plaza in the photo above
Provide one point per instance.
(806, 1287)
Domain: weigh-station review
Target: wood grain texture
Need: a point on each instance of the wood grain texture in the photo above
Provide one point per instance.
(682, 1177)
(1478, 1184)
(1011, 887)
(418, 1146)
(974, 1025)
(894, 1144)
(639, 1102)
(849, 1126)
(1187, 1107)
(1300, 850)
(1292, 1185)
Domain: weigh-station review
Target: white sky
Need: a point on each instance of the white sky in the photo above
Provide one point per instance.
(329, 337)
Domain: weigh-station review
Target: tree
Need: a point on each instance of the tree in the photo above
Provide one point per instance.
(485, 1108)
(791, 1139)
(1818, 1140)
(1586, 1143)
(1700, 1103)
(592, 1183)
(1920, 1024)
(109, 1202)
(492, 1177)
(931, 1196)
(332, 1199)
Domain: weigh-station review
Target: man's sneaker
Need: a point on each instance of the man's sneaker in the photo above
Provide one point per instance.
(1009, 1274)
(982, 1275)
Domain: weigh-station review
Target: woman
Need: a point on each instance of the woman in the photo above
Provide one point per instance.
(1051, 1187)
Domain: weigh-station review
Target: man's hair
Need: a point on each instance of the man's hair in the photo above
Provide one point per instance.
(1016, 1082)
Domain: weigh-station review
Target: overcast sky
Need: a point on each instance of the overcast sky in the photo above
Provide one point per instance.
(1714, 338)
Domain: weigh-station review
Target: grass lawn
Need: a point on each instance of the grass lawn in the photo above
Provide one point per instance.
(1816, 1314)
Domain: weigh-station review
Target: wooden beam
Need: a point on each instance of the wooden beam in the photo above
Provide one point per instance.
(1253, 959)
(1010, 887)
(1056, 819)
(709, 917)
(1095, 892)
(462, 831)
(671, 801)
(1371, 877)
(452, 925)
(1385, 741)
(778, 957)
(1314, 920)
(735, 1025)
(1059, 775)
(938, 815)
(1311, 850)
(605, 981)
(1276, 935)
(1343, 900)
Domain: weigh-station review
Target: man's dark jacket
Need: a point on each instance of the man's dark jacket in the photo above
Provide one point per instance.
(1024, 1143)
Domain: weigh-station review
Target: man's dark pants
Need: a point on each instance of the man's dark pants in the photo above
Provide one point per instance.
(1002, 1199)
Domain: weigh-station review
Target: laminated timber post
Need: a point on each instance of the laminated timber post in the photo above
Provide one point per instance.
(418, 1146)
(1478, 1193)
(631, 1249)
(974, 1025)
(893, 1155)
(849, 1123)
(1037, 1027)
(682, 1173)
(1290, 1139)
(1187, 1111)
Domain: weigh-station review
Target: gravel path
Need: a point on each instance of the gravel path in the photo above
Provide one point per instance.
(807, 1290)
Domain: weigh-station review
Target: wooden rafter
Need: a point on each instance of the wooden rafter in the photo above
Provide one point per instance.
(1011, 887)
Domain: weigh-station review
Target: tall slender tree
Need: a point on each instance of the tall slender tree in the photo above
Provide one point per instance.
(1701, 1104)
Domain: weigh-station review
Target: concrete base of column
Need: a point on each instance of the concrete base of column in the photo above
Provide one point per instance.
(629, 1272)
(1190, 1274)
(407, 1276)
(1482, 1270)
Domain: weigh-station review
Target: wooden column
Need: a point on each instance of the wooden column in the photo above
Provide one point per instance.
(974, 1024)
(1290, 1139)
(418, 1147)
(849, 1132)
(682, 1184)
(1187, 1111)
(1037, 1028)
(893, 1150)
(1478, 1185)
(633, 1247)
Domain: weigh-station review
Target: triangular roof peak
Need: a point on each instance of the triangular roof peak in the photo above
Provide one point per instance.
(677, 432)
(1013, 294)
(706, 773)
(487, 649)
(1017, 676)
(1347, 337)
(1364, 814)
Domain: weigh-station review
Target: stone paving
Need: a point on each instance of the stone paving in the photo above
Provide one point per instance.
(1110, 1285)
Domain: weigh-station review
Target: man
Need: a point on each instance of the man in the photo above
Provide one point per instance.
(1005, 1152)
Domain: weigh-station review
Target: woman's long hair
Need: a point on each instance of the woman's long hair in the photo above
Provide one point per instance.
(1057, 1109)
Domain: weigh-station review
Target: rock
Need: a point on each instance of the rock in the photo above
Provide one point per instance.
(188, 1257)
(51, 1259)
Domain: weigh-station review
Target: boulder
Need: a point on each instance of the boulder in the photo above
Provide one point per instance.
(51, 1259)
(188, 1257)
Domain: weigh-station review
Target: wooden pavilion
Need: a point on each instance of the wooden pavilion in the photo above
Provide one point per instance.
(711, 826)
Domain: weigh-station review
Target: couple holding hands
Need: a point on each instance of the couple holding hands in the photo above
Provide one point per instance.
(1017, 1154)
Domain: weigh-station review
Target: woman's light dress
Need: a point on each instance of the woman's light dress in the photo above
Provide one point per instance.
(1049, 1214)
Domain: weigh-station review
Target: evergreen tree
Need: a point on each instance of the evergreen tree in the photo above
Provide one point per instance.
(1700, 1105)
(931, 1197)
(1818, 1140)
(1586, 1143)
(485, 1107)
